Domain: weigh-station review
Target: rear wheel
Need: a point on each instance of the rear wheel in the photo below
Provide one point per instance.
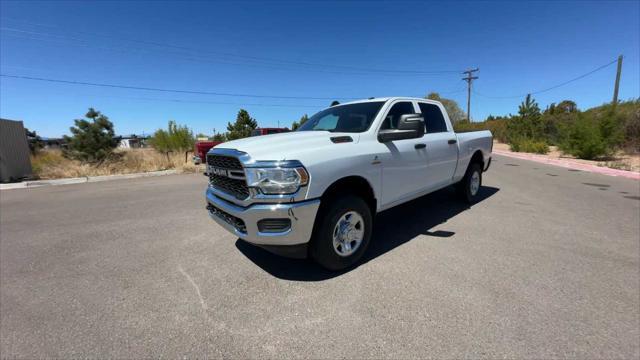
(469, 186)
(343, 233)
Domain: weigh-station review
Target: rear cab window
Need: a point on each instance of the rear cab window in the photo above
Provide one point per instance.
(433, 118)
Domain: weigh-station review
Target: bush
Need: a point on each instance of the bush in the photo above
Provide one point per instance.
(497, 127)
(583, 138)
(176, 138)
(529, 146)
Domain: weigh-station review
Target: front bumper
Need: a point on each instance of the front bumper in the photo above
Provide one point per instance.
(301, 214)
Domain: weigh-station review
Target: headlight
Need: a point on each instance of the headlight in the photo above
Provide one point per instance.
(277, 180)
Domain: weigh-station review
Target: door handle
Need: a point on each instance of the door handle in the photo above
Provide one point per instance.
(452, 141)
(420, 146)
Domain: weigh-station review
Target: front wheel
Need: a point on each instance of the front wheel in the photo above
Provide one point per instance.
(469, 186)
(343, 234)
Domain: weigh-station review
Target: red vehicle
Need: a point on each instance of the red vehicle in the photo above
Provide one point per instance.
(268, 131)
(201, 148)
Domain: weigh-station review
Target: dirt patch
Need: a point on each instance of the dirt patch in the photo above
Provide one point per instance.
(620, 161)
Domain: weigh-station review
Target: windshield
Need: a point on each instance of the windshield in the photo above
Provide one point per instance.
(344, 118)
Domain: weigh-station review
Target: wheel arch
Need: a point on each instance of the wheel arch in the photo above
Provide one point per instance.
(353, 184)
(477, 157)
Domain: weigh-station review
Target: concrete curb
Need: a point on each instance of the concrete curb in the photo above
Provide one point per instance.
(67, 181)
(570, 164)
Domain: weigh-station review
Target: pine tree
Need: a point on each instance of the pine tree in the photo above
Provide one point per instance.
(297, 124)
(242, 127)
(92, 141)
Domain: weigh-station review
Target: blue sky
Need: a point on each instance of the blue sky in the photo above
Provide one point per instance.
(263, 48)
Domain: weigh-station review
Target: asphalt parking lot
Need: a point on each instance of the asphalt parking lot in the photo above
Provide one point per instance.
(546, 265)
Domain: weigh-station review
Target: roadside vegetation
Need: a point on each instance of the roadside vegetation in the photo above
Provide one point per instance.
(52, 164)
(600, 133)
(609, 134)
(92, 149)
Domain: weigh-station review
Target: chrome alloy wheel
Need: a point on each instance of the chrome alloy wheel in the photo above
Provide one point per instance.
(474, 184)
(348, 233)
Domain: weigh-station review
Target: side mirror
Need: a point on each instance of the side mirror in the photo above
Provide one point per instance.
(410, 126)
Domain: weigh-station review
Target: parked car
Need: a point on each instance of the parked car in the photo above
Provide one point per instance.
(315, 191)
(268, 131)
(201, 148)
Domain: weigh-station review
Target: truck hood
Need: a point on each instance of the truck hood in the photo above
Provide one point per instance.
(295, 145)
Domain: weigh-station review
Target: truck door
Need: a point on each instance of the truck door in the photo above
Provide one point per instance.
(404, 162)
(442, 147)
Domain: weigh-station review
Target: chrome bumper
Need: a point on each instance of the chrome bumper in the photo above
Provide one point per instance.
(302, 215)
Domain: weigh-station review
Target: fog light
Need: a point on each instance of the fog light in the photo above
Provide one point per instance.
(274, 225)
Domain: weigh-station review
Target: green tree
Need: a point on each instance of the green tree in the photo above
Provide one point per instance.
(201, 135)
(91, 141)
(528, 124)
(34, 140)
(529, 108)
(566, 106)
(453, 109)
(242, 127)
(178, 138)
(220, 137)
(160, 141)
(297, 124)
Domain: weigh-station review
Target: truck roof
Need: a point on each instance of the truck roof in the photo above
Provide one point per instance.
(388, 99)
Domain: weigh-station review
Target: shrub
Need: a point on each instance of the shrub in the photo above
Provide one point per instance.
(176, 138)
(529, 146)
(583, 138)
(497, 127)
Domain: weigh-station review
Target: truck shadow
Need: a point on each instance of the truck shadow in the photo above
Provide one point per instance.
(393, 228)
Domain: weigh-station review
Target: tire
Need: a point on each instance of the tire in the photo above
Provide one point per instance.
(345, 217)
(470, 185)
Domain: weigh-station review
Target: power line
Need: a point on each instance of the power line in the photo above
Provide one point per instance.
(20, 34)
(273, 61)
(549, 88)
(214, 102)
(71, 82)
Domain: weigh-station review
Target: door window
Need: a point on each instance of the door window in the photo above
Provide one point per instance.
(433, 118)
(393, 116)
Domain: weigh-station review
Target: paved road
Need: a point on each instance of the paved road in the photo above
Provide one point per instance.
(547, 265)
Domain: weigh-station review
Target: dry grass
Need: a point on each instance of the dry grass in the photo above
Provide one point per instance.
(50, 164)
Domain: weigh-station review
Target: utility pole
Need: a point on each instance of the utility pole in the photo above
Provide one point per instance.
(615, 89)
(469, 79)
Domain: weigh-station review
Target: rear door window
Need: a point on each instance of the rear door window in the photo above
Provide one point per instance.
(433, 118)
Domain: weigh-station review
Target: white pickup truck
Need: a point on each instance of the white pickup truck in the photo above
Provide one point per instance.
(315, 191)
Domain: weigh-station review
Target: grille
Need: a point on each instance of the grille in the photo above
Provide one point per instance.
(235, 187)
(232, 186)
(237, 223)
(225, 162)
